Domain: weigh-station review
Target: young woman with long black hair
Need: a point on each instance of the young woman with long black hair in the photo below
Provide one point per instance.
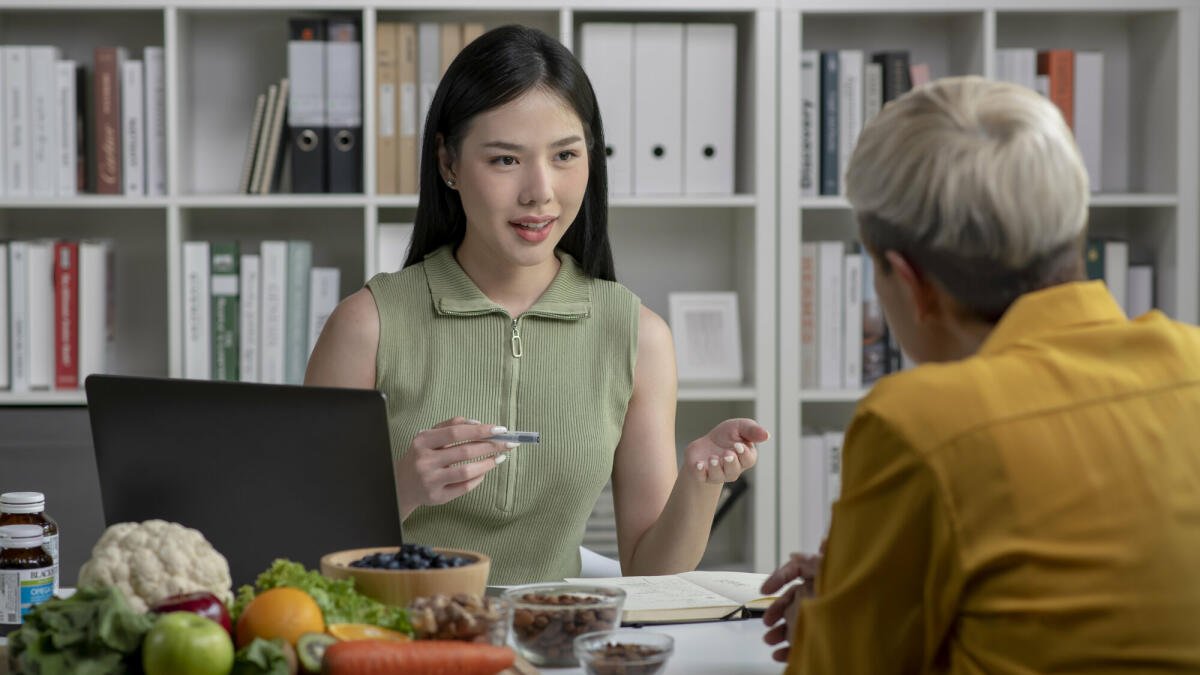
(507, 315)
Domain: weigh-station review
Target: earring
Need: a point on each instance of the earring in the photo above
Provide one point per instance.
(450, 184)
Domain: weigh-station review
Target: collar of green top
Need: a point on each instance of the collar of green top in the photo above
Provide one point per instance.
(569, 296)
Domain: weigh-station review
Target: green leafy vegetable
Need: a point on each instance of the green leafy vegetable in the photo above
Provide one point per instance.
(91, 633)
(338, 600)
(261, 657)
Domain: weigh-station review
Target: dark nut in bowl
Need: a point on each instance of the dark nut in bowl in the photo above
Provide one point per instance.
(546, 618)
(462, 616)
(624, 652)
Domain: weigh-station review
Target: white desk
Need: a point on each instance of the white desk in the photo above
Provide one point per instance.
(713, 648)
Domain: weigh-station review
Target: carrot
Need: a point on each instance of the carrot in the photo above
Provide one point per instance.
(423, 657)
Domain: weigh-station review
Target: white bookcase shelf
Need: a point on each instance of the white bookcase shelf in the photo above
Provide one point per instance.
(1151, 163)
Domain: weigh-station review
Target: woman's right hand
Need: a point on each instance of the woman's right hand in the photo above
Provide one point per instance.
(427, 474)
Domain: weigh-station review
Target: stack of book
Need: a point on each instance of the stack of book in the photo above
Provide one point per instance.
(820, 484)
(844, 341)
(56, 313)
(261, 165)
(410, 60)
(1074, 82)
(51, 149)
(253, 317)
(840, 92)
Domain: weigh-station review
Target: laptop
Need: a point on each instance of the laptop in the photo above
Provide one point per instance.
(263, 471)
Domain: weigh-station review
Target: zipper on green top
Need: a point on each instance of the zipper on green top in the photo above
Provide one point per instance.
(514, 375)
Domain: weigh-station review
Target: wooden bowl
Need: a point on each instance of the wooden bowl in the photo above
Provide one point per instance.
(399, 587)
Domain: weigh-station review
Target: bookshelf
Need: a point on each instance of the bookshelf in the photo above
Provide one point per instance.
(221, 54)
(1149, 174)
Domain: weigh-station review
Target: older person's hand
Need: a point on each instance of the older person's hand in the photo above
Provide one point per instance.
(782, 615)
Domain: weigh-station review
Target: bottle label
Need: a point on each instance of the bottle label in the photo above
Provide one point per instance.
(50, 543)
(21, 590)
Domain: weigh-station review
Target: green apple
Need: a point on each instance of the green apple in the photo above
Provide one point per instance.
(183, 643)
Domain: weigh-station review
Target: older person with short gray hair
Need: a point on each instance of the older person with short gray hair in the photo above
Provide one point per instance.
(1028, 499)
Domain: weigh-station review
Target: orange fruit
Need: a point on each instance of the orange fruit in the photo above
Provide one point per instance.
(282, 612)
(365, 631)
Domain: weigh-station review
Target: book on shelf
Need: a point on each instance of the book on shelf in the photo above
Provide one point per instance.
(197, 311)
(155, 120)
(40, 313)
(830, 173)
(820, 468)
(43, 123)
(810, 103)
(273, 165)
(107, 139)
(920, 74)
(5, 352)
(408, 108)
(323, 298)
(386, 162)
(66, 315)
(850, 106)
(299, 268)
(273, 306)
(687, 596)
(97, 307)
(1059, 66)
(67, 123)
(250, 286)
(248, 159)
(18, 315)
(17, 171)
(133, 134)
(226, 316)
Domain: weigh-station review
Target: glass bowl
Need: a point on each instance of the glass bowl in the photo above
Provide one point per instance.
(625, 651)
(546, 619)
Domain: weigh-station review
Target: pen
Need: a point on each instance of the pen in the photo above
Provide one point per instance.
(518, 437)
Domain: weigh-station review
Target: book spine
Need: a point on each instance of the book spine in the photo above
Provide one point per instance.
(250, 288)
(408, 102)
(5, 351)
(43, 123)
(225, 313)
(273, 100)
(833, 472)
(274, 311)
(107, 138)
(83, 130)
(95, 261)
(273, 166)
(872, 91)
(19, 314)
(830, 171)
(830, 303)
(197, 352)
(1059, 66)
(16, 121)
(323, 298)
(299, 266)
(65, 160)
(40, 280)
(385, 101)
(133, 130)
(66, 313)
(156, 121)
(809, 357)
(810, 106)
(850, 108)
(874, 329)
(852, 335)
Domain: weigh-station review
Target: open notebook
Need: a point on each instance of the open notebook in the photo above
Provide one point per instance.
(687, 596)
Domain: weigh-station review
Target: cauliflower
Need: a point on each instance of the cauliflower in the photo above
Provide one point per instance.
(153, 560)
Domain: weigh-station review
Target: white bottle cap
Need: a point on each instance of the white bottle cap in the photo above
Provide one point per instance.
(22, 502)
(21, 536)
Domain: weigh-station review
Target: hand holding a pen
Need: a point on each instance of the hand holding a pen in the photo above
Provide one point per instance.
(445, 462)
(721, 455)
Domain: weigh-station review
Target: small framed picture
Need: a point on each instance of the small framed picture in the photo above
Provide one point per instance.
(708, 346)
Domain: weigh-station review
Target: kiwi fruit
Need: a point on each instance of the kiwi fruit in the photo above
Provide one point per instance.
(311, 649)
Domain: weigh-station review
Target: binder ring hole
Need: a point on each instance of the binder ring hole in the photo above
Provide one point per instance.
(709, 151)
(659, 151)
(307, 140)
(344, 141)
(608, 151)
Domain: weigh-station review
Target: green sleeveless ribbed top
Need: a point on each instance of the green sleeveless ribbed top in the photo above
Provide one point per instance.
(564, 368)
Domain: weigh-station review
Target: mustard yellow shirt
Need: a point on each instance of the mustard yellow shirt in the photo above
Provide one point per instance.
(1032, 509)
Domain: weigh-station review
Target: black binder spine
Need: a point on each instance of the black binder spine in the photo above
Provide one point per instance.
(343, 106)
(307, 130)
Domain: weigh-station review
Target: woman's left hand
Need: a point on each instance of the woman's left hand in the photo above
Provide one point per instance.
(724, 453)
